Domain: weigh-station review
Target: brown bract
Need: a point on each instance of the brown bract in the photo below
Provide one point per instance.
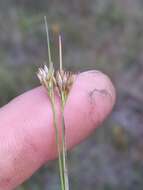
(46, 77)
(64, 81)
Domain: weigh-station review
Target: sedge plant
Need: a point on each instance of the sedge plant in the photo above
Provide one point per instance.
(60, 81)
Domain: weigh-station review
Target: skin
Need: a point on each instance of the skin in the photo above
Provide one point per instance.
(27, 138)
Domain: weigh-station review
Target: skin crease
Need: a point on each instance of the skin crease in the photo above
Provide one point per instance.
(27, 139)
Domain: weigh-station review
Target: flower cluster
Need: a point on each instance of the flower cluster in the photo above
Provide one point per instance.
(61, 79)
(46, 77)
(64, 81)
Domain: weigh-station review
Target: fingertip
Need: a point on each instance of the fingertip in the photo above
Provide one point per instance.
(98, 81)
(90, 101)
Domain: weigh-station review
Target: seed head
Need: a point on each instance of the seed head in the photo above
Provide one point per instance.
(46, 77)
(64, 81)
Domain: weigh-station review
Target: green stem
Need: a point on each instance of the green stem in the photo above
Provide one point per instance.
(64, 149)
(57, 142)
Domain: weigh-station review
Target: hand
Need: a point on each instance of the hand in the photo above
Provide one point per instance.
(27, 133)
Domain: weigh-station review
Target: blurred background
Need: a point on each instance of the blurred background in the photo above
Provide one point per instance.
(97, 34)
